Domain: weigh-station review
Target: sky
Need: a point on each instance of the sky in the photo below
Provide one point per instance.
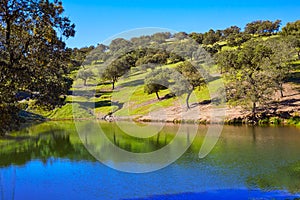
(98, 20)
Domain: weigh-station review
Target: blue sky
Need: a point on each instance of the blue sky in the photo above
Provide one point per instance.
(97, 20)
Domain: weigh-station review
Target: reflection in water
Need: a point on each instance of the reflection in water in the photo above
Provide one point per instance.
(254, 134)
(49, 161)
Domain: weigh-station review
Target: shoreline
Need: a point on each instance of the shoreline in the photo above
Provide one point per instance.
(269, 121)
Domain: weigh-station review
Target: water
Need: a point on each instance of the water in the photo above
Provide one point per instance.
(49, 161)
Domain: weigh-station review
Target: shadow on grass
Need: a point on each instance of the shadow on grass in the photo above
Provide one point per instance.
(96, 104)
(133, 83)
(202, 103)
(214, 78)
(89, 93)
(83, 93)
(294, 77)
(104, 83)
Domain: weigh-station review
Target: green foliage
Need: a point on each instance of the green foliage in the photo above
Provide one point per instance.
(232, 30)
(151, 56)
(294, 121)
(119, 44)
(282, 55)
(262, 27)
(292, 28)
(78, 57)
(180, 35)
(188, 78)
(248, 77)
(275, 120)
(118, 68)
(264, 121)
(238, 39)
(212, 37)
(198, 37)
(85, 74)
(157, 80)
(33, 56)
(160, 37)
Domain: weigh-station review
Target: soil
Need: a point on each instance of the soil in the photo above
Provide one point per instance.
(206, 112)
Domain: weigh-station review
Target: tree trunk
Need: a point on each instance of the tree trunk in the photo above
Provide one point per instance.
(84, 82)
(113, 85)
(253, 110)
(157, 95)
(281, 90)
(187, 100)
(281, 93)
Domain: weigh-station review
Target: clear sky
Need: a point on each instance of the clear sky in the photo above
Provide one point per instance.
(97, 20)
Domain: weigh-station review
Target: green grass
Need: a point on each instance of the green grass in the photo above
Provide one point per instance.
(128, 99)
(68, 111)
(294, 121)
(224, 48)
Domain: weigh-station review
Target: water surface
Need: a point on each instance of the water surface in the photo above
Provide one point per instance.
(49, 161)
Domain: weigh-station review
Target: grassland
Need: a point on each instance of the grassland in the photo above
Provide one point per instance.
(128, 100)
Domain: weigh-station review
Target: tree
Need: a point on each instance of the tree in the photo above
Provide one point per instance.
(231, 31)
(283, 53)
(118, 68)
(180, 35)
(226, 60)
(295, 41)
(292, 28)
(141, 41)
(161, 37)
(119, 44)
(211, 37)
(33, 56)
(85, 75)
(188, 78)
(198, 37)
(78, 56)
(238, 39)
(262, 27)
(154, 56)
(248, 74)
(156, 81)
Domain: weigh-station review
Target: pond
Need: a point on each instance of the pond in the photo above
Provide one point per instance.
(53, 160)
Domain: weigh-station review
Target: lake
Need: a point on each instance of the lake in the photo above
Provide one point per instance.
(53, 160)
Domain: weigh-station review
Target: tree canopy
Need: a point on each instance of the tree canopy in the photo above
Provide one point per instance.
(255, 71)
(33, 57)
(157, 80)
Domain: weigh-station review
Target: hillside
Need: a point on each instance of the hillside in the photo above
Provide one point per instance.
(97, 93)
(129, 101)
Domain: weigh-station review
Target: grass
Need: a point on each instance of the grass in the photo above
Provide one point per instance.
(129, 99)
(68, 111)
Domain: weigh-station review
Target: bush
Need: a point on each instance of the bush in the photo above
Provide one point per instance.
(275, 120)
(263, 121)
(294, 121)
